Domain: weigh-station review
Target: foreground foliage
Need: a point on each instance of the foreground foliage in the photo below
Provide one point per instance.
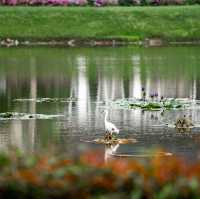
(45, 176)
(26, 116)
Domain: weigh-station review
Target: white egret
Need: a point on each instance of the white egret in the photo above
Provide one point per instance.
(109, 127)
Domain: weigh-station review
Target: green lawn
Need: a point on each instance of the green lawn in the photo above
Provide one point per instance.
(136, 23)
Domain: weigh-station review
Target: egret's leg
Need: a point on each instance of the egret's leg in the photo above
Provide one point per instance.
(106, 135)
(110, 136)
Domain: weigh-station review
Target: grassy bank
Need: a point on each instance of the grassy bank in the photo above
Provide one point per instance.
(135, 23)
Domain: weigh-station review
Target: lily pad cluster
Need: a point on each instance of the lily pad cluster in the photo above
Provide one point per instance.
(168, 103)
(25, 116)
(46, 99)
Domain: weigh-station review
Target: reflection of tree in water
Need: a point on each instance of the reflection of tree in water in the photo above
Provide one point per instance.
(198, 89)
(113, 73)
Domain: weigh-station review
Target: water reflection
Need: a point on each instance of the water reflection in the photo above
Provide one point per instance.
(32, 105)
(83, 95)
(93, 77)
(110, 150)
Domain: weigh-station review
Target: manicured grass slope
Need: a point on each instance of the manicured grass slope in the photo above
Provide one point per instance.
(135, 23)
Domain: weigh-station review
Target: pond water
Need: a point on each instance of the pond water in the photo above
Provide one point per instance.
(89, 78)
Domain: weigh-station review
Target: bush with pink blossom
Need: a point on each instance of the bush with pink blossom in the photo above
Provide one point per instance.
(44, 2)
(97, 3)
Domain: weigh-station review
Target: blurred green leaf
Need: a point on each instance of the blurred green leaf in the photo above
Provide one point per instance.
(4, 160)
(136, 194)
(194, 184)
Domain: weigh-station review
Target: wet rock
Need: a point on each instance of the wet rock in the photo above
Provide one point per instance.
(71, 42)
(154, 42)
(6, 115)
(9, 42)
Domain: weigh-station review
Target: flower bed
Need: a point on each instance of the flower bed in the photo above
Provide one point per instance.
(44, 2)
(45, 176)
(97, 2)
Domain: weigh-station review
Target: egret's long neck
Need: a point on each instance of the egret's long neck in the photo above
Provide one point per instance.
(106, 117)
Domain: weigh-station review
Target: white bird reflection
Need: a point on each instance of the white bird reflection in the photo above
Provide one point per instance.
(109, 152)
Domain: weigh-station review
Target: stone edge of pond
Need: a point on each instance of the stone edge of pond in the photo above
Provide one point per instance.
(152, 42)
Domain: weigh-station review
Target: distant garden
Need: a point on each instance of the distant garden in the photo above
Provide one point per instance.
(98, 3)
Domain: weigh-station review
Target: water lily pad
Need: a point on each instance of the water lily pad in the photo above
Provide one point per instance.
(134, 103)
(26, 116)
(47, 100)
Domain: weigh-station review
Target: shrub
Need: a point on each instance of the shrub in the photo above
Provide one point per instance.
(48, 176)
(125, 2)
(191, 2)
(44, 2)
(167, 2)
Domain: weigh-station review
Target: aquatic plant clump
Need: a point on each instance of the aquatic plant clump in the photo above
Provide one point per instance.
(26, 116)
(170, 103)
(184, 122)
(50, 176)
(45, 99)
